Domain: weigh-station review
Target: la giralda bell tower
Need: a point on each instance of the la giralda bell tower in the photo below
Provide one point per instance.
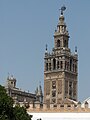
(60, 67)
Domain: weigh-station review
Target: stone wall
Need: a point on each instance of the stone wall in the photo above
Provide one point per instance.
(58, 108)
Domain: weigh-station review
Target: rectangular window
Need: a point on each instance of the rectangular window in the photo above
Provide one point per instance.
(53, 84)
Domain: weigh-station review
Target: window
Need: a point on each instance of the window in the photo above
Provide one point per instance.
(70, 64)
(49, 66)
(65, 65)
(57, 64)
(69, 106)
(61, 64)
(46, 66)
(70, 89)
(62, 106)
(55, 106)
(65, 43)
(53, 84)
(53, 93)
(54, 63)
(58, 43)
(11, 82)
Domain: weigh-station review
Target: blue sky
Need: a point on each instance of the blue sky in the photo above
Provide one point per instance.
(25, 28)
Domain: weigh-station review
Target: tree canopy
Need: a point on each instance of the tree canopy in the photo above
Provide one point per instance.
(7, 111)
(21, 114)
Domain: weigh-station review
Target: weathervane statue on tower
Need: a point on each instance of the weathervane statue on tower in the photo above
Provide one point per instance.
(63, 8)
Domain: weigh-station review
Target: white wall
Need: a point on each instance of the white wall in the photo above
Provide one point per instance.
(61, 116)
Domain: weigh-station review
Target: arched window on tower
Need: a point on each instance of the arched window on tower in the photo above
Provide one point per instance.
(49, 66)
(65, 43)
(54, 63)
(58, 43)
(57, 64)
(46, 66)
(70, 64)
(61, 64)
(65, 65)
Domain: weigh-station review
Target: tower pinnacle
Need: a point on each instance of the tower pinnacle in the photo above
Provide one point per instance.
(46, 47)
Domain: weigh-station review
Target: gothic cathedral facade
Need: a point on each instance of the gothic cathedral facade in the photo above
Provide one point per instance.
(60, 68)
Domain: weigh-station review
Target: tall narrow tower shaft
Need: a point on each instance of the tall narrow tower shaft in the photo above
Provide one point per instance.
(60, 68)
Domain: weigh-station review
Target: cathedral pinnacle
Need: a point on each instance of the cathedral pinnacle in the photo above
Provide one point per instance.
(46, 49)
(75, 49)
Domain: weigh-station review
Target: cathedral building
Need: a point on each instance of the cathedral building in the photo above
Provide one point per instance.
(60, 68)
(22, 97)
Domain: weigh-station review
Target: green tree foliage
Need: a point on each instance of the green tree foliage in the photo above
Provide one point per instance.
(7, 111)
(6, 105)
(21, 114)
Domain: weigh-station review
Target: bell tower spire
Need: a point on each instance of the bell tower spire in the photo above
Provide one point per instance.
(61, 35)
